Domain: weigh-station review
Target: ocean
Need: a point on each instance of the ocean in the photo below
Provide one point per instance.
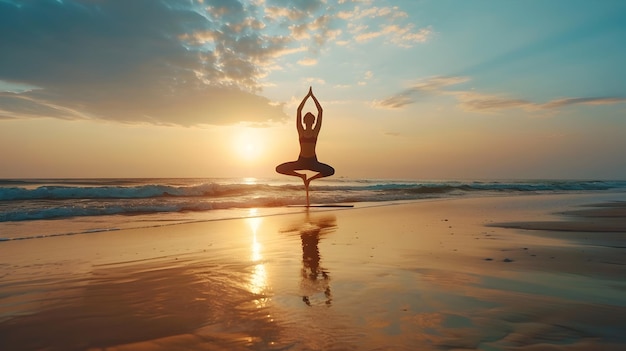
(39, 208)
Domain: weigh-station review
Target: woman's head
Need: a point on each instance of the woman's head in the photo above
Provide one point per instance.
(309, 119)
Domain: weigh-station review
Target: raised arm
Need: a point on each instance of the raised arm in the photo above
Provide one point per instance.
(299, 115)
(318, 120)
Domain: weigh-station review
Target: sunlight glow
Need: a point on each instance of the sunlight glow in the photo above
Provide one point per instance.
(248, 144)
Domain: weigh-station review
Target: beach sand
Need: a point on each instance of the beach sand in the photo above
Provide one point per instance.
(533, 272)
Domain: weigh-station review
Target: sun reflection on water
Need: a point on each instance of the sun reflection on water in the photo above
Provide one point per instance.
(250, 181)
(258, 279)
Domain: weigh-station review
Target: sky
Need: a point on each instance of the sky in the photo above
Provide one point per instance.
(411, 89)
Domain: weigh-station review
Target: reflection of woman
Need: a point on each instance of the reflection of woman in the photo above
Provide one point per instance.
(315, 279)
(307, 160)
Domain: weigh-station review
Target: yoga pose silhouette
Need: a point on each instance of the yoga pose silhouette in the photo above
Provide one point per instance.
(307, 160)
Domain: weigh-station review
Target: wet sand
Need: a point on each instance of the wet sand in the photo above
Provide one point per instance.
(540, 272)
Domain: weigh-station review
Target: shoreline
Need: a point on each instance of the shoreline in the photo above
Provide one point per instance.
(426, 274)
(82, 225)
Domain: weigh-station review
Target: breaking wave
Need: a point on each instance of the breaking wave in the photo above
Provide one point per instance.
(37, 200)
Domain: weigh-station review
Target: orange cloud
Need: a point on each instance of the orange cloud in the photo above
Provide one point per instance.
(475, 101)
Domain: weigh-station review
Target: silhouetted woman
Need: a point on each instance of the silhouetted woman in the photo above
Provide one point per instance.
(307, 160)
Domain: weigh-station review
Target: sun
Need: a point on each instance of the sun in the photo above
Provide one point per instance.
(248, 144)
(249, 151)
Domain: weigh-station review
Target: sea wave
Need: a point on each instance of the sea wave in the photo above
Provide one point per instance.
(66, 210)
(61, 199)
(125, 207)
(223, 190)
(125, 192)
(516, 186)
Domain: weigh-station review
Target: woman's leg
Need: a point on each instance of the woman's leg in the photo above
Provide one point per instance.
(289, 168)
(323, 170)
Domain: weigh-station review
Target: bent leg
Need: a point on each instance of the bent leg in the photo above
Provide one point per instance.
(289, 168)
(323, 170)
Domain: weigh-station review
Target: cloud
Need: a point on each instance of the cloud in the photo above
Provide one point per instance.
(435, 84)
(309, 23)
(180, 62)
(312, 80)
(277, 13)
(484, 102)
(396, 101)
(308, 62)
(389, 23)
(432, 85)
(15, 87)
(584, 101)
(474, 101)
(344, 22)
(366, 77)
(493, 103)
(19, 105)
(138, 61)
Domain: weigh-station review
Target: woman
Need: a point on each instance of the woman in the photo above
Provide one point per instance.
(307, 160)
